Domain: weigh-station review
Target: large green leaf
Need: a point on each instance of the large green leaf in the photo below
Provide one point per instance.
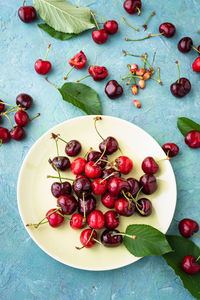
(183, 247)
(56, 34)
(148, 241)
(185, 125)
(63, 16)
(81, 96)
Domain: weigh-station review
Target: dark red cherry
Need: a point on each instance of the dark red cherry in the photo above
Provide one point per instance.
(108, 238)
(188, 227)
(92, 170)
(100, 36)
(170, 149)
(144, 207)
(108, 172)
(95, 155)
(68, 204)
(99, 186)
(73, 148)
(113, 89)
(111, 145)
(42, 67)
(96, 219)
(89, 203)
(78, 166)
(58, 189)
(148, 181)
(82, 185)
(27, 14)
(21, 118)
(167, 29)
(4, 135)
(77, 221)
(62, 163)
(192, 139)
(149, 165)
(24, 101)
(54, 218)
(124, 164)
(186, 84)
(88, 237)
(111, 219)
(118, 185)
(134, 186)
(189, 265)
(132, 6)
(2, 106)
(108, 200)
(111, 26)
(17, 133)
(185, 44)
(124, 207)
(177, 90)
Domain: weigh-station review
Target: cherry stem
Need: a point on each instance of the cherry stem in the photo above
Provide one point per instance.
(126, 53)
(84, 214)
(51, 82)
(144, 61)
(64, 178)
(195, 49)
(95, 21)
(9, 111)
(158, 80)
(125, 234)
(95, 125)
(24, 3)
(145, 24)
(100, 156)
(83, 78)
(54, 166)
(37, 225)
(72, 68)
(9, 120)
(48, 48)
(151, 66)
(79, 248)
(128, 199)
(57, 147)
(1, 142)
(139, 12)
(178, 71)
(137, 29)
(146, 37)
(56, 136)
(98, 242)
(100, 16)
(197, 234)
(198, 258)
(7, 104)
(37, 115)
(129, 82)
(108, 177)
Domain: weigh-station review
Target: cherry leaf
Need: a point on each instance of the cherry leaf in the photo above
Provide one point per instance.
(56, 34)
(185, 125)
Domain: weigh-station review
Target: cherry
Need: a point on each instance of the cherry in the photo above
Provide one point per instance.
(78, 166)
(149, 165)
(27, 14)
(96, 219)
(185, 44)
(81, 176)
(170, 149)
(134, 186)
(124, 164)
(98, 73)
(61, 163)
(108, 238)
(82, 185)
(181, 87)
(100, 36)
(43, 67)
(4, 135)
(95, 155)
(77, 221)
(54, 218)
(144, 207)
(189, 265)
(21, 118)
(87, 238)
(132, 6)
(78, 61)
(24, 101)
(108, 200)
(192, 139)
(188, 227)
(107, 172)
(2, 106)
(111, 219)
(88, 204)
(149, 184)
(92, 170)
(196, 65)
(73, 148)
(111, 26)
(167, 29)
(124, 207)
(111, 145)
(113, 89)
(68, 204)
(186, 84)
(61, 188)
(17, 133)
(117, 185)
(198, 48)
(99, 186)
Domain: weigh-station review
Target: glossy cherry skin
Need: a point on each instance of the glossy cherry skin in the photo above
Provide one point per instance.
(170, 149)
(108, 172)
(73, 148)
(113, 89)
(124, 164)
(108, 240)
(100, 36)
(77, 221)
(189, 265)
(27, 14)
(24, 101)
(181, 87)
(111, 145)
(185, 44)
(2, 106)
(78, 166)
(192, 139)
(96, 219)
(21, 118)
(134, 186)
(4, 135)
(92, 170)
(188, 227)
(62, 163)
(68, 204)
(42, 67)
(95, 155)
(54, 219)
(108, 200)
(167, 29)
(124, 207)
(86, 235)
(111, 219)
(149, 165)
(90, 205)
(17, 133)
(98, 73)
(148, 181)
(131, 6)
(78, 61)
(99, 186)
(186, 84)
(118, 185)
(82, 185)
(58, 189)
(196, 65)
(111, 26)
(144, 207)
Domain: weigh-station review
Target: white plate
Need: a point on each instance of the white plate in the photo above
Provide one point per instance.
(35, 198)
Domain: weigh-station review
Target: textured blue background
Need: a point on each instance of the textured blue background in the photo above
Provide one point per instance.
(27, 273)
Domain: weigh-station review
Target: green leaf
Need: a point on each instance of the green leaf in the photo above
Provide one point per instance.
(81, 96)
(185, 125)
(149, 241)
(56, 34)
(63, 16)
(183, 247)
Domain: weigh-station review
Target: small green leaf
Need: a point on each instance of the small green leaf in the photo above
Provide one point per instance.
(56, 34)
(81, 96)
(149, 241)
(183, 247)
(185, 125)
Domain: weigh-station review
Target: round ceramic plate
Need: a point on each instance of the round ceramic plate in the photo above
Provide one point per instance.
(35, 198)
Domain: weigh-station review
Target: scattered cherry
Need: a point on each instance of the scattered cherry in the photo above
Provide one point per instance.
(189, 265)
(98, 73)
(167, 29)
(78, 166)
(77, 221)
(2, 106)
(118, 185)
(82, 185)
(188, 227)
(111, 145)
(27, 14)
(21, 118)
(43, 67)
(68, 204)
(111, 219)
(87, 238)
(24, 101)
(78, 61)
(170, 149)
(111, 26)
(185, 44)
(108, 238)
(181, 87)
(108, 200)
(196, 65)
(100, 36)
(17, 133)
(124, 164)
(124, 207)
(144, 207)
(58, 189)
(132, 6)
(113, 89)
(4, 135)
(134, 186)
(198, 48)
(149, 165)
(73, 148)
(54, 218)
(192, 139)
(92, 170)
(149, 184)
(96, 219)
(99, 186)
(95, 155)
(61, 163)
(88, 204)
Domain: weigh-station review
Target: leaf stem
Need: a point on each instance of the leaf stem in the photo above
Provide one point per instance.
(137, 29)
(72, 68)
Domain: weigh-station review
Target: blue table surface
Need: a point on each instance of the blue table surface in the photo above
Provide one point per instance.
(26, 272)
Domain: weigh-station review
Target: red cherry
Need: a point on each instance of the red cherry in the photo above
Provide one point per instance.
(192, 139)
(189, 265)
(149, 165)
(132, 6)
(54, 219)
(111, 26)
(78, 61)
(196, 65)
(77, 221)
(99, 186)
(27, 14)
(108, 200)
(124, 164)
(78, 166)
(21, 118)
(2, 106)
(167, 29)
(98, 73)
(118, 185)
(124, 207)
(170, 149)
(4, 135)
(87, 238)
(188, 227)
(100, 36)
(111, 219)
(198, 49)
(96, 219)
(17, 133)
(92, 170)
(42, 67)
